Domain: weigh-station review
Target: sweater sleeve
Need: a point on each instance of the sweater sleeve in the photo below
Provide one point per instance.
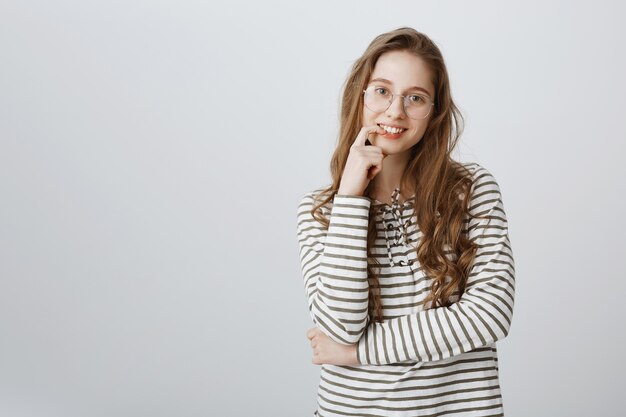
(334, 266)
(483, 313)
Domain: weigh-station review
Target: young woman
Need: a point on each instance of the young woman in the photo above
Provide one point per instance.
(406, 259)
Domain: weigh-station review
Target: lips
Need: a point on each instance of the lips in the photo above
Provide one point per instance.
(392, 130)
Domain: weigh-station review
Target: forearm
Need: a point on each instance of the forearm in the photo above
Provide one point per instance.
(481, 316)
(335, 268)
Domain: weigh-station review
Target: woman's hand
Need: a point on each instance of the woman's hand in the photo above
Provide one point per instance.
(363, 163)
(327, 351)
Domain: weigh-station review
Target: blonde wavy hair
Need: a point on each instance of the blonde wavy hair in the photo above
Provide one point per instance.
(442, 184)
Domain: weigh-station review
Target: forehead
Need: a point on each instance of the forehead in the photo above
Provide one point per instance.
(404, 70)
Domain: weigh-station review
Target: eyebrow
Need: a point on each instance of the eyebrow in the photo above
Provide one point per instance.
(410, 88)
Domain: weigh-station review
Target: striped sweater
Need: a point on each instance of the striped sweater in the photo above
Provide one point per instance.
(417, 362)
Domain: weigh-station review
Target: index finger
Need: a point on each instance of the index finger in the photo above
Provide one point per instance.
(363, 133)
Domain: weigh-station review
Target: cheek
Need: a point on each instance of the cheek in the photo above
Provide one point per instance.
(417, 132)
(368, 116)
(420, 129)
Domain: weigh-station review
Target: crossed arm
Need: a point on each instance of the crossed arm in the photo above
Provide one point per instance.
(335, 271)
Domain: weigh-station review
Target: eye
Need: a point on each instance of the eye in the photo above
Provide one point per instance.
(416, 99)
(381, 91)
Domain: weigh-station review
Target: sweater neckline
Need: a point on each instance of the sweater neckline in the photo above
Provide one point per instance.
(394, 198)
(376, 202)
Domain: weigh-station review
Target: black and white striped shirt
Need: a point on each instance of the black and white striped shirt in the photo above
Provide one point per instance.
(433, 362)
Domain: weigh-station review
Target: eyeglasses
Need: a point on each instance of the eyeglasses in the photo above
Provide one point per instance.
(378, 99)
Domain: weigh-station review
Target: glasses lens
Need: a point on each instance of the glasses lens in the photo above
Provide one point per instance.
(377, 99)
(417, 106)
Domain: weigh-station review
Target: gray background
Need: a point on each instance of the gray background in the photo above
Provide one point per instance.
(153, 153)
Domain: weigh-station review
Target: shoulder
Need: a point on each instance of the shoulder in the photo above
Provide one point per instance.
(482, 178)
(308, 223)
(485, 195)
(312, 198)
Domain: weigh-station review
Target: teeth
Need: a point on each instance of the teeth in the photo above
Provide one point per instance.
(392, 129)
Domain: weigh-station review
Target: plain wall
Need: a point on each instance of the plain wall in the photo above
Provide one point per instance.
(153, 153)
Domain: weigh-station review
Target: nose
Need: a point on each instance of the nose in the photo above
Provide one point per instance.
(396, 108)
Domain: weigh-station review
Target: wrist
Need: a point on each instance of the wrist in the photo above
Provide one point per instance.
(353, 356)
(347, 192)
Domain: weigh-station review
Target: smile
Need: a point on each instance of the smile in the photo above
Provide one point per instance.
(390, 129)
